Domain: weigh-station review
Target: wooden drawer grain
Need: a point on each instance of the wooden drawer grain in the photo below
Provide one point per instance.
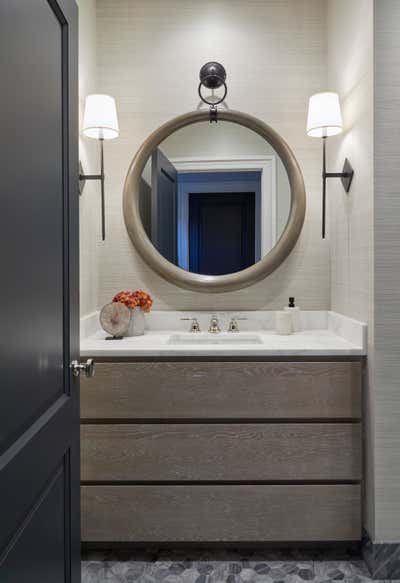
(245, 452)
(241, 513)
(223, 390)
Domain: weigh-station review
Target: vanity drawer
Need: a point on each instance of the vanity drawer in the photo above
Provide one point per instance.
(223, 390)
(215, 452)
(236, 513)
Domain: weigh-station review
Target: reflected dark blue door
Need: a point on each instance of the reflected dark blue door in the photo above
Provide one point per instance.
(221, 232)
(163, 206)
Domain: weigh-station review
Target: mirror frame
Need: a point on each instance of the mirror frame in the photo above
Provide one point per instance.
(214, 283)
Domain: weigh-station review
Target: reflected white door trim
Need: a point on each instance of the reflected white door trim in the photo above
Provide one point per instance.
(264, 164)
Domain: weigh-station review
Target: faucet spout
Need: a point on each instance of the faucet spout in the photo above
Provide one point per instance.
(214, 325)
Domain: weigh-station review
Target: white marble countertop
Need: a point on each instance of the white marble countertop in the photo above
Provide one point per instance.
(323, 334)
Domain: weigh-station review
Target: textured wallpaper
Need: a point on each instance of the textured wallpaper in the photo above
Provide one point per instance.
(149, 53)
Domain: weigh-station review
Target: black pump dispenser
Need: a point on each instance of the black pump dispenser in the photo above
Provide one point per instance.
(291, 303)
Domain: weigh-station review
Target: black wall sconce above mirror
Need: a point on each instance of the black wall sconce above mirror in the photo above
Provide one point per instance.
(324, 120)
(100, 122)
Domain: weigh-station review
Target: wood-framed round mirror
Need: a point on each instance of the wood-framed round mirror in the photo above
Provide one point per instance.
(214, 207)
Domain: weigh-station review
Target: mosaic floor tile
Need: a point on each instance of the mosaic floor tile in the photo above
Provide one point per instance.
(231, 567)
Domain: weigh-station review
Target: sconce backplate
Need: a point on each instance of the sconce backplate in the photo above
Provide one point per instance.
(348, 174)
(82, 181)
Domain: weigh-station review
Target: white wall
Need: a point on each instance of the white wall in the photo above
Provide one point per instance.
(351, 216)
(149, 56)
(89, 206)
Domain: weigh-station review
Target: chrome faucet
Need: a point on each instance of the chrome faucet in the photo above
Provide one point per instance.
(214, 325)
(195, 326)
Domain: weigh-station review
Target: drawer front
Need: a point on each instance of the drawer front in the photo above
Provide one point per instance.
(223, 390)
(245, 452)
(221, 513)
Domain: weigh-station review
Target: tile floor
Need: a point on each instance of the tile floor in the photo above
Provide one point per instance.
(297, 566)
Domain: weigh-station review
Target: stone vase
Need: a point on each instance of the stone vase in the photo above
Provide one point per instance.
(136, 324)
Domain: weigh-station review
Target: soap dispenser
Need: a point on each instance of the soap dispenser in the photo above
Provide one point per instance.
(295, 313)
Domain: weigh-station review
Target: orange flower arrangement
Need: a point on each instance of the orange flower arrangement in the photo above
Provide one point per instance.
(137, 299)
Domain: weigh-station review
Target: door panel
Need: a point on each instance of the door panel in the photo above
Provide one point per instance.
(32, 192)
(39, 409)
(28, 468)
(221, 232)
(42, 542)
(163, 206)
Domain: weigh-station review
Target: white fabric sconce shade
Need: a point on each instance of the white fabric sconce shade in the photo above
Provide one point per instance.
(100, 119)
(324, 115)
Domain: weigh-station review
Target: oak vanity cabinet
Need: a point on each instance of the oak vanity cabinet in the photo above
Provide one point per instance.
(191, 451)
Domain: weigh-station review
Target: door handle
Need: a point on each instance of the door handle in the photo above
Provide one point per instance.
(87, 367)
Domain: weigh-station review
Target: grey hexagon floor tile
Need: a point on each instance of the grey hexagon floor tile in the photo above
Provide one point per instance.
(190, 575)
(92, 571)
(233, 567)
(340, 570)
(246, 575)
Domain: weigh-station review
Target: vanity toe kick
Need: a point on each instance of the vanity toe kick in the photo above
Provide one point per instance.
(221, 451)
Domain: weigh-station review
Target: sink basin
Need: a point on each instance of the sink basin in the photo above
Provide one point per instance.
(221, 338)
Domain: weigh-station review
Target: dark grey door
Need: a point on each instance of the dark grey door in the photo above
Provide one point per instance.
(163, 206)
(39, 406)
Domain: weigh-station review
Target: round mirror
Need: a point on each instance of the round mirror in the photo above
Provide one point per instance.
(214, 206)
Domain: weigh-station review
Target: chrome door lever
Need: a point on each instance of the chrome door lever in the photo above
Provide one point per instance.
(87, 367)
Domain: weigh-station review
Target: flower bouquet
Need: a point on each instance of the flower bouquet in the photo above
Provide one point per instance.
(138, 302)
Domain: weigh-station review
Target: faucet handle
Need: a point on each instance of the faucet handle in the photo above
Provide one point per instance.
(233, 324)
(195, 326)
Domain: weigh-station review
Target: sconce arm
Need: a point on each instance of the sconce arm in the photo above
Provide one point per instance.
(90, 177)
(82, 180)
(346, 177)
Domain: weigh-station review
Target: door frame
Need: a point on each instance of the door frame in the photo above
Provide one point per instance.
(264, 164)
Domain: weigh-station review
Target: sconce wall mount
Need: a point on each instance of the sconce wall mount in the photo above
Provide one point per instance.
(346, 176)
(212, 76)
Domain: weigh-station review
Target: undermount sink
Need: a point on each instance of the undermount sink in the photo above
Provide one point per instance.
(220, 338)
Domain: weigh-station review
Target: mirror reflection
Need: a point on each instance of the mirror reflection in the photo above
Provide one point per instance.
(214, 198)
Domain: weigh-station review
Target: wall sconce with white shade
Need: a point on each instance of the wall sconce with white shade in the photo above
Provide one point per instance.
(100, 122)
(324, 120)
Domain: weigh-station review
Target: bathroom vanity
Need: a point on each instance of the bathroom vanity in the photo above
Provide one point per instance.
(222, 436)
(198, 442)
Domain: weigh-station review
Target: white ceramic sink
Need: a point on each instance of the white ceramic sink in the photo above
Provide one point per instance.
(220, 338)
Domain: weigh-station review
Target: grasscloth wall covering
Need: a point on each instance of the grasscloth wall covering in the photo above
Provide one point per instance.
(89, 203)
(149, 53)
(364, 66)
(350, 221)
